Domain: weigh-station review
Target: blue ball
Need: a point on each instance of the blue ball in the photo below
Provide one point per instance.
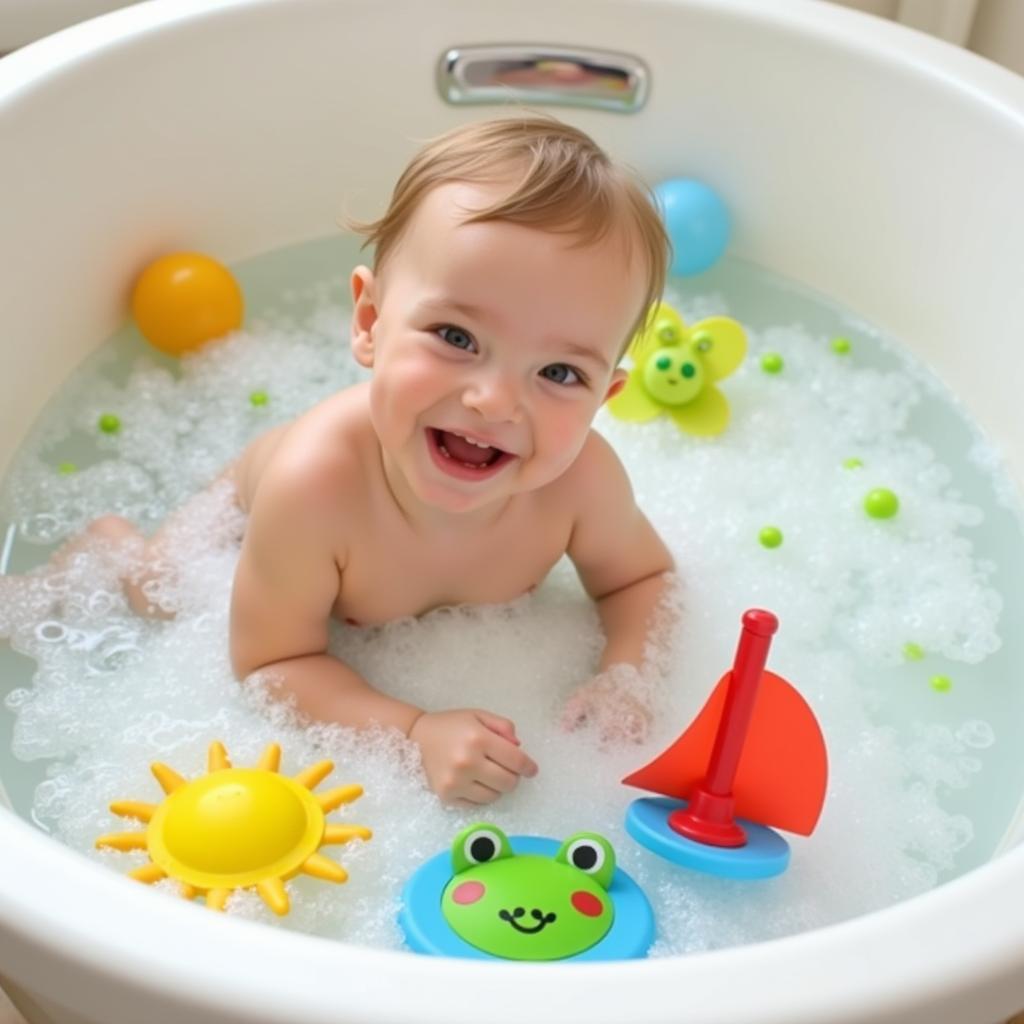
(697, 222)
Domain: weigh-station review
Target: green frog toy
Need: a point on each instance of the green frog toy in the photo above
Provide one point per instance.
(526, 898)
(526, 906)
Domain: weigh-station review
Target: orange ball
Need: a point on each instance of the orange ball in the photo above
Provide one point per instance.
(185, 299)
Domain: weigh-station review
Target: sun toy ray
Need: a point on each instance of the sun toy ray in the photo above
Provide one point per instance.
(238, 828)
(675, 370)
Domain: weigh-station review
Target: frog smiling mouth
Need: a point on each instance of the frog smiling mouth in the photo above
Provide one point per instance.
(513, 919)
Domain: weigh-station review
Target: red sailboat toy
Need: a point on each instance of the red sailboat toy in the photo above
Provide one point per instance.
(753, 760)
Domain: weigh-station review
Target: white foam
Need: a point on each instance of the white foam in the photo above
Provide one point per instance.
(113, 693)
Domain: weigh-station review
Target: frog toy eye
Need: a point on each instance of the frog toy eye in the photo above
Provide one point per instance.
(590, 853)
(480, 843)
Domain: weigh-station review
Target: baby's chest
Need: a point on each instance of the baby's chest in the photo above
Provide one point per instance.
(388, 580)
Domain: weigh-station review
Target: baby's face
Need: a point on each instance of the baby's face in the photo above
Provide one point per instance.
(493, 345)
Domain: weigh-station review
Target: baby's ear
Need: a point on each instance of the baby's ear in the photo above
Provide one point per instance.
(364, 314)
(618, 382)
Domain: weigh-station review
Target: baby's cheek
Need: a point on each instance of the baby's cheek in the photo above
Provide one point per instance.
(565, 436)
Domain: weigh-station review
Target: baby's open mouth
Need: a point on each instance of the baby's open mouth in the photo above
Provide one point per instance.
(513, 919)
(460, 452)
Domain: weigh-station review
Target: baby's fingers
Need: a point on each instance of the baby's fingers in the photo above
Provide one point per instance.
(510, 757)
(627, 724)
(575, 711)
(495, 776)
(504, 727)
(476, 794)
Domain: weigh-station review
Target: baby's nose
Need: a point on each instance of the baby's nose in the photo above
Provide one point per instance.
(495, 396)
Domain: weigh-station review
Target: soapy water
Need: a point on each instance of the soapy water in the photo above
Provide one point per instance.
(112, 692)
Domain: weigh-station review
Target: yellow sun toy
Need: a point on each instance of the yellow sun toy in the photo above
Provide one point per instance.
(238, 828)
(675, 370)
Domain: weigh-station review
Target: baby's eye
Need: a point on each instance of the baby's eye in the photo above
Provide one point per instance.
(560, 373)
(457, 337)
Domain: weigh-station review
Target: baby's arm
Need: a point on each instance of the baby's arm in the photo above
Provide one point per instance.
(623, 565)
(285, 588)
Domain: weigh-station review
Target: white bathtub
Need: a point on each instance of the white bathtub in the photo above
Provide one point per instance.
(872, 163)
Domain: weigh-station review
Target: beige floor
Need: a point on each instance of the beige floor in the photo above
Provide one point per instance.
(8, 1014)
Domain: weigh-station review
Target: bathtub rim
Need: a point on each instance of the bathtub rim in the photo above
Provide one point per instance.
(239, 975)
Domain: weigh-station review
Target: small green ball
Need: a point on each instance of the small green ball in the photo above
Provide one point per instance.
(841, 346)
(881, 503)
(852, 463)
(941, 683)
(109, 423)
(258, 398)
(771, 362)
(66, 468)
(770, 537)
(912, 651)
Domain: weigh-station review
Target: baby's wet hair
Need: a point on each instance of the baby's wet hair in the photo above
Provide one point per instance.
(562, 181)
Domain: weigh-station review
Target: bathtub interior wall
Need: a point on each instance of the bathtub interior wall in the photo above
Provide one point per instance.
(240, 134)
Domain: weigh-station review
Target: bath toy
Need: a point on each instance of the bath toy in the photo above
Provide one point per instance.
(772, 362)
(526, 898)
(881, 503)
(697, 222)
(675, 370)
(770, 537)
(841, 346)
(185, 299)
(238, 828)
(912, 651)
(755, 750)
(109, 423)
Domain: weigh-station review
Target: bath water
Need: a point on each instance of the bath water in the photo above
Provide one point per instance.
(894, 630)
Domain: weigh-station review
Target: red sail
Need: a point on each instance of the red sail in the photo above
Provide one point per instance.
(783, 770)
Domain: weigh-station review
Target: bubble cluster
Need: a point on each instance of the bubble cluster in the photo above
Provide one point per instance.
(113, 692)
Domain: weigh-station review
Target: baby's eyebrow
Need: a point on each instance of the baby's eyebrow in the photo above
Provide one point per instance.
(444, 304)
(573, 348)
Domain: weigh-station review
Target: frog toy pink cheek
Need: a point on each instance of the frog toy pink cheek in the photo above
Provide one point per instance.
(468, 892)
(587, 904)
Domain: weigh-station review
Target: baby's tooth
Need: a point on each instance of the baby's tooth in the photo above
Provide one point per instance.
(479, 444)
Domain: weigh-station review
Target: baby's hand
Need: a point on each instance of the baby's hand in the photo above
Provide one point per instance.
(617, 702)
(470, 756)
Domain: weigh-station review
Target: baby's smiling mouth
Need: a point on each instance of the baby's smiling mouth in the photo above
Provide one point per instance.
(466, 452)
(513, 919)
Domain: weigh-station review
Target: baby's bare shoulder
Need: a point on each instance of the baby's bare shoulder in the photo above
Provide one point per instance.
(314, 465)
(596, 468)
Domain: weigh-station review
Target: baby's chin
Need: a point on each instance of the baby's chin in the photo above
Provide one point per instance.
(455, 503)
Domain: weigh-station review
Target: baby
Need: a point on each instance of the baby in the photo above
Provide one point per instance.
(511, 269)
